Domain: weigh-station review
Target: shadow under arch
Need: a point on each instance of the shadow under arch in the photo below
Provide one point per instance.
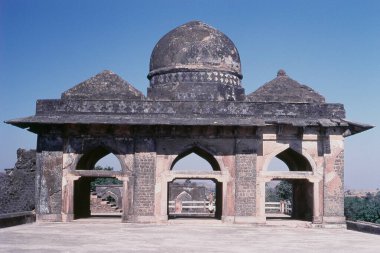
(200, 152)
(294, 160)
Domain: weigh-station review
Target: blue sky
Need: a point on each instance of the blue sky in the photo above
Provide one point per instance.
(46, 47)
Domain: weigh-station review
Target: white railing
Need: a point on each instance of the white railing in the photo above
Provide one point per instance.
(193, 207)
(205, 207)
(283, 207)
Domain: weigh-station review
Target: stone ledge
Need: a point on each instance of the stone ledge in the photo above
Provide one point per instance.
(14, 219)
(363, 226)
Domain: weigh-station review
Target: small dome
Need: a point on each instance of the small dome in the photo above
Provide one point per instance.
(286, 90)
(195, 46)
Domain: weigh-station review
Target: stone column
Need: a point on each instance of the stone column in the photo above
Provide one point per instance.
(334, 192)
(144, 185)
(317, 219)
(261, 216)
(48, 180)
(125, 199)
(245, 184)
(68, 198)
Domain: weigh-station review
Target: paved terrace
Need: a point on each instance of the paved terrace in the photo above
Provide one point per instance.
(112, 236)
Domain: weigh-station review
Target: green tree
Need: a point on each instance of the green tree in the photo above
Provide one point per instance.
(104, 180)
(365, 208)
(284, 190)
(270, 194)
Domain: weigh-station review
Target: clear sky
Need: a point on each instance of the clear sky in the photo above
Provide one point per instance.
(46, 47)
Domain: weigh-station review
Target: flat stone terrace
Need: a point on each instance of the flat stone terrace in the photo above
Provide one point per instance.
(111, 236)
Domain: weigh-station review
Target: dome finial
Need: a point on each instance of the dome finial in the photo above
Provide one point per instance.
(281, 72)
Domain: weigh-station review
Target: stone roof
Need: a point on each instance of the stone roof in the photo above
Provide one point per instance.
(87, 111)
(194, 81)
(196, 46)
(285, 89)
(105, 85)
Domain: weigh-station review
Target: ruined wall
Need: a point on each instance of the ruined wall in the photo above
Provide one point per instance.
(17, 185)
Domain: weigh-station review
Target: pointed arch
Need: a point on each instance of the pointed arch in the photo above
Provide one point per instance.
(295, 160)
(88, 160)
(200, 152)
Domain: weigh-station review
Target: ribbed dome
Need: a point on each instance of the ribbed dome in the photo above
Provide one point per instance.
(195, 46)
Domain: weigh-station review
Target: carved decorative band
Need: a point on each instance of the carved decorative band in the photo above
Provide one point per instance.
(196, 77)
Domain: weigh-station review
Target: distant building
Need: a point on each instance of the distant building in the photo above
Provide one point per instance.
(195, 104)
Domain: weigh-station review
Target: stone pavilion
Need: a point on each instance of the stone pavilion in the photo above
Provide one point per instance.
(195, 103)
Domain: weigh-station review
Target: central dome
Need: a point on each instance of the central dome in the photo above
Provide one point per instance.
(195, 62)
(195, 46)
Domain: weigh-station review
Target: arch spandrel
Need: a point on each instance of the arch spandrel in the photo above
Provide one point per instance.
(280, 148)
(72, 161)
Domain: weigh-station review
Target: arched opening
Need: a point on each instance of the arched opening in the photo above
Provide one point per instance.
(195, 159)
(108, 162)
(294, 160)
(289, 195)
(98, 193)
(90, 200)
(277, 165)
(192, 162)
(194, 198)
(279, 199)
(289, 199)
(197, 194)
(99, 157)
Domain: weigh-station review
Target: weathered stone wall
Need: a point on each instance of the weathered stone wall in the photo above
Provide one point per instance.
(334, 188)
(208, 109)
(17, 186)
(145, 162)
(49, 161)
(245, 184)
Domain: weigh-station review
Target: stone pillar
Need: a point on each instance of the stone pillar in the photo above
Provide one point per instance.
(317, 219)
(49, 165)
(261, 216)
(144, 185)
(68, 198)
(125, 199)
(245, 182)
(49, 186)
(245, 185)
(163, 205)
(334, 191)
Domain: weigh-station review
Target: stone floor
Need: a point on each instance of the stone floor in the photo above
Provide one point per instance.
(109, 235)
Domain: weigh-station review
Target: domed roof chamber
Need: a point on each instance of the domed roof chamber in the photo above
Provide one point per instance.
(195, 62)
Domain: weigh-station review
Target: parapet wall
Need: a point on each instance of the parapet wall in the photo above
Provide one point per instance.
(363, 226)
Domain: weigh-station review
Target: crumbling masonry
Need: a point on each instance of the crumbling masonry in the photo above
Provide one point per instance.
(195, 104)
